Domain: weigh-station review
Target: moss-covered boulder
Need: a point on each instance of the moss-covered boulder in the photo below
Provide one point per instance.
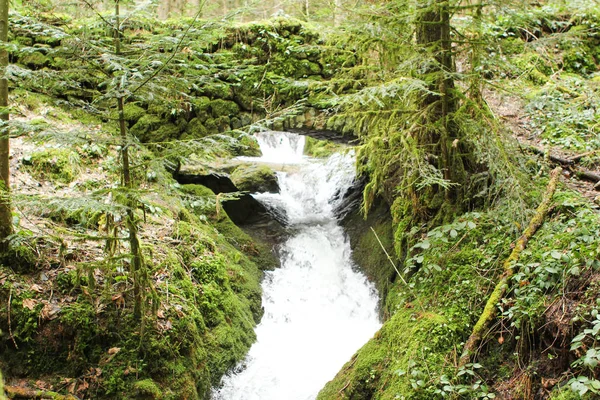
(152, 128)
(255, 179)
(195, 129)
(224, 108)
(133, 112)
(35, 60)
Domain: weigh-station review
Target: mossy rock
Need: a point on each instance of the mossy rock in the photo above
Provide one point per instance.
(195, 129)
(165, 133)
(217, 90)
(400, 343)
(60, 63)
(255, 179)
(35, 60)
(224, 108)
(320, 148)
(24, 40)
(246, 145)
(59, 165)
(49, 40)
(133, 112)
(201, 106)
(145, 125)
(223, 124)
(211, 126)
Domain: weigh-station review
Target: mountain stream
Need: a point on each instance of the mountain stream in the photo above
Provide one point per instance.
(319, 310)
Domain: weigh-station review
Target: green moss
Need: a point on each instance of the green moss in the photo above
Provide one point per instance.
(246, 145)
(24, 41)
(224, 108)
(195, 129)
(147, 389)
(31, 100)
(410, 347)
(133, 112)
(57, 164)
(35, 60)
(217, 90)
(255, 178)
(320, 148)
(151, 128)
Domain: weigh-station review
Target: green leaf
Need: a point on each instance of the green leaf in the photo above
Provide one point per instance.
(556, 254)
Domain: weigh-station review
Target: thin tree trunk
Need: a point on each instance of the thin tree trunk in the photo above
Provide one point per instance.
(490, 309)
(2, 395)
(5, 208)
(134, 243)
(337, 13)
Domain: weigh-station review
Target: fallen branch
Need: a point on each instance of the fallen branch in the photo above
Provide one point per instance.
(581, 173)
(489, 312)
(17, 392)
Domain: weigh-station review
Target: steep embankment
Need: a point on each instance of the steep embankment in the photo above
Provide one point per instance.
(543, 343)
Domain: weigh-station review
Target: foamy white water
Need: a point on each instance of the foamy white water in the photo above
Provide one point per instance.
(318, 309)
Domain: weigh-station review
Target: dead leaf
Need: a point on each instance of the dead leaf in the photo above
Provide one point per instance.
(50, 311)
(37, 288)
(83, 386)
(30, 303)
(160, 314)
(114, 350)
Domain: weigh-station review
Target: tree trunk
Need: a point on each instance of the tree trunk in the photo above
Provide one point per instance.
(337, 12)
(2, 395)
(5, 209)
(433, 36)
(134, 243)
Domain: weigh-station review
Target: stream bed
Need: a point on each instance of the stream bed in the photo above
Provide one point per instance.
(319, 310)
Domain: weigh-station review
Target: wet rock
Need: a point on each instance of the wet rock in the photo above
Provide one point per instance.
(245, 210)
(255, 179)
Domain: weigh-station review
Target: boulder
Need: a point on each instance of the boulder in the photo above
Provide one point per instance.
(255, 179)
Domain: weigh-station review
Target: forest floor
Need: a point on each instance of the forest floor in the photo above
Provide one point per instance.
(509, 108)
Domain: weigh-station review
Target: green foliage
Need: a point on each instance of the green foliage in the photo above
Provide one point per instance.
(564, 112)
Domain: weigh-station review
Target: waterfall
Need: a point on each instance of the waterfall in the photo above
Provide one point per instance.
(318, 308)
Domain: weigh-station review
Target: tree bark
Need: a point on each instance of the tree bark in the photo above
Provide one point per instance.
(490, 310)
(5, 208)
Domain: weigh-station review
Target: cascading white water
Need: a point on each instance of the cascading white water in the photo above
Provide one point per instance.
(318, 309)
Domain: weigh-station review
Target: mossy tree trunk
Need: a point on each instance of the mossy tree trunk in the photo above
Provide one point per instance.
(440, 135)
(5, 209)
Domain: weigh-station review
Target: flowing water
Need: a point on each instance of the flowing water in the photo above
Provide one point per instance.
(318, 309)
